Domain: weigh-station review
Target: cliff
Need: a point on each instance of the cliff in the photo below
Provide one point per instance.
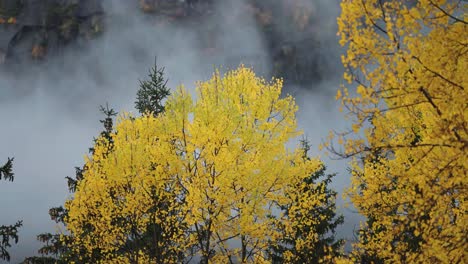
(35, 30)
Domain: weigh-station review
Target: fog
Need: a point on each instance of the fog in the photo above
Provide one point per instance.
(49, 111)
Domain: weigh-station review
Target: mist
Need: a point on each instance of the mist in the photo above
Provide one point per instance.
(49, 110)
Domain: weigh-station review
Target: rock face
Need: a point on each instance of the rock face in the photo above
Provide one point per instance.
(37, 29)
(34, 29)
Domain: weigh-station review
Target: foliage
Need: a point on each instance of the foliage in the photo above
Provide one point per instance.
(8, 232)
(62, 16)
(409, 136)
(41, 260)
(211, 173)
(311, 236)
(6, 171)
(152, 92)
(57, 246)
(10, 8)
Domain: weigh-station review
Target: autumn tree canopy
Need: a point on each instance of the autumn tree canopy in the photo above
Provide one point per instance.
(217, 165)
(409, 139)
(59, 247)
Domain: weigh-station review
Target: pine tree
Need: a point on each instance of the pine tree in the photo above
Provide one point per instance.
(152, 92)
(8, 233)
(6, 171)
(318, 220)
(57, 248)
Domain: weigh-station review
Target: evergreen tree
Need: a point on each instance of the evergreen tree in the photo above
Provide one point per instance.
(320, 221)
(152, 92)
(57, 246)
(8, 233)
(6, 171)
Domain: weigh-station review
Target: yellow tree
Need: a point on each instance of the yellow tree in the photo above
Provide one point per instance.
(409, 138)
(222, 162)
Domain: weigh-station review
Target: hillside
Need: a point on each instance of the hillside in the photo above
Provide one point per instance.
(36, 30)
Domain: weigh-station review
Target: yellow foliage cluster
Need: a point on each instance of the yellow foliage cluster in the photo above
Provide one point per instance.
(216, 169)
(9, 20)
(148, 5)
(38, 52)
(410, 126)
